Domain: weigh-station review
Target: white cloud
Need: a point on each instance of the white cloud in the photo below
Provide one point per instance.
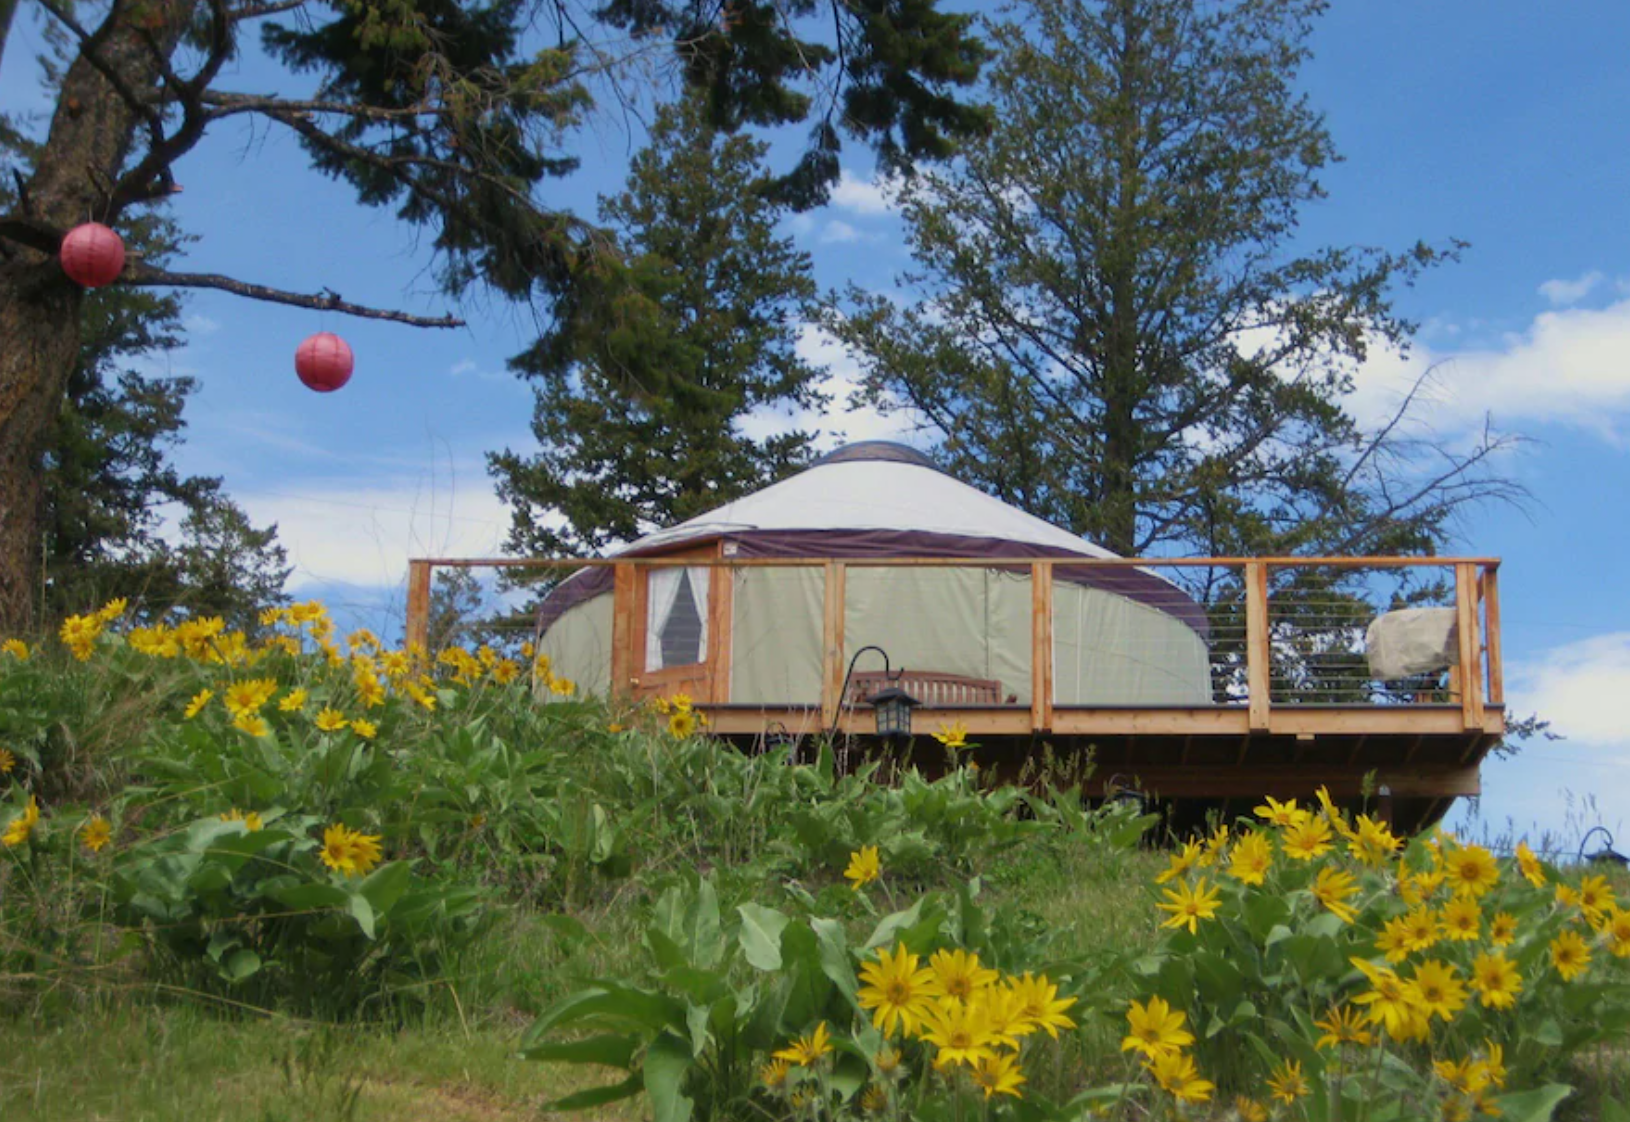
(840, 423)
(1570, 366)
(197, 324)
(838, 230)
(364, 534)
(865, 196)
(463, 366)
(1563, 787)
(1563, 292)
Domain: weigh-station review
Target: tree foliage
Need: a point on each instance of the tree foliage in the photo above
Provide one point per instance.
(455, 113)
(1125, 333)
(640, 416)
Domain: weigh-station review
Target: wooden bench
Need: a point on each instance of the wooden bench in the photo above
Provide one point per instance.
(933, 689)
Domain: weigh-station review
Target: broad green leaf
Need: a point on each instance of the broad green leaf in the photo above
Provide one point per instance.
(760, 935)
(702, 928)
(599, 1096)
(313, 895)
(834, 953)
(385, 885)
(1533, 1106)
(363, 912)
(610, 1049)
(666, 1062)
(240, 964)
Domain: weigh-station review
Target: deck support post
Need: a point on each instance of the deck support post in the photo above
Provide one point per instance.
(624, 592)
(1471, 646)
(417, 625)
(1258, 653)
(832, 644)
(1041, 646)
(1491, 633)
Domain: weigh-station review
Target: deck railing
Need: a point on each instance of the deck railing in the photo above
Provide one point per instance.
(1285, 638)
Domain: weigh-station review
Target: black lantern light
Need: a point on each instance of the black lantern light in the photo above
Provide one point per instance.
(1604, 856)
(893, 707)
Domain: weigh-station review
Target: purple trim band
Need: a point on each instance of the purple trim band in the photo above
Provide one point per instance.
(1134, 584)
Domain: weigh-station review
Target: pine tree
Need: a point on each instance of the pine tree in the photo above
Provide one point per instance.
(640, 417)
(1122, 333)
(454, 113)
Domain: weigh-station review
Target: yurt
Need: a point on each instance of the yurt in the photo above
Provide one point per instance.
(753, 635)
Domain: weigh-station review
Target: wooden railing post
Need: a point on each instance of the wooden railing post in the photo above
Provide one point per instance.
(1041, 646)
(832, 644)
(1491, 634)
(1471, 647)
(417, 626)
(624, 593)
(1258, 652)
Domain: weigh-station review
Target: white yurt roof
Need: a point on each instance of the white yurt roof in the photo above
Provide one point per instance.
(873, 485)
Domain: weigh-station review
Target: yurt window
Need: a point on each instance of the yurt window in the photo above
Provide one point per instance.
(676, 619)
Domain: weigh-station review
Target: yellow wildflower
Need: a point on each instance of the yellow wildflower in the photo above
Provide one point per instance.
(1569, 955)
(953, 736)
(1277, 813)
(864, 866)
(1343, 1025)
(1287, 1083)
(349, 851)
(248, 696)
(1251, 859)
(959, 1032)
(1470, 870)
(20, 828)
(293, 701)
(96, 834)
(252, 723)
(1495, 981)
(1333, 888)
(1529, 865)
(16, 648)
(1040, 1004)
(1189, 905)
(251, 821)
(959, 974)
(8, 761)
(1155, 1029)
(1441, 991)
(1307, 839)
(1462, 919)
(999, 1075)
(331, 720)
(365, 729)
(1181, 863)
(807, 1049)
(1178, 1077)
(1503, 929)
(898, 993)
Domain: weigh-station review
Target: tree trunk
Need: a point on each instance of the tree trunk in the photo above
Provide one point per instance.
(91, 134)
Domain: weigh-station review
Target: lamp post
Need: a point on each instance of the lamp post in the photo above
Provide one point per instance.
(892, 705)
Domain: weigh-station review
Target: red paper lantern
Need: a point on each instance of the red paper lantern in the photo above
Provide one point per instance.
(324, 362)
(92, 255)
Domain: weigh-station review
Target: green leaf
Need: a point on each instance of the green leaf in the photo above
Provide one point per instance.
(385, 885)
(363, 912)
(666, 1064)
(316, 894)
(760, 935)
(611, 1049)
(702, 929)
(599, 1096)
(240, 964)
(1533, 1106)
(1548, 1032)
(834, 954)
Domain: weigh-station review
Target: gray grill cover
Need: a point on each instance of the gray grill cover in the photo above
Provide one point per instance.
(1412, 641)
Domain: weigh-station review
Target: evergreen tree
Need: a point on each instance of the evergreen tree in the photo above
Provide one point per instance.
(110, 485)
(1123, 334)
(454, 113)
(641, 420)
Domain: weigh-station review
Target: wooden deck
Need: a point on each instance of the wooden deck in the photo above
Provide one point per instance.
(1264, 739)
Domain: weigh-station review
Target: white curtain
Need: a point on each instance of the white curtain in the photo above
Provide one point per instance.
(662, 592)
(700, 580)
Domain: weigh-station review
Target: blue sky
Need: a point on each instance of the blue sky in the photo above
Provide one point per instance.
(1497, 122)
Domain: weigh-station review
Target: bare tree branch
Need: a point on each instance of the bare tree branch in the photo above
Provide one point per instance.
(147, 275)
